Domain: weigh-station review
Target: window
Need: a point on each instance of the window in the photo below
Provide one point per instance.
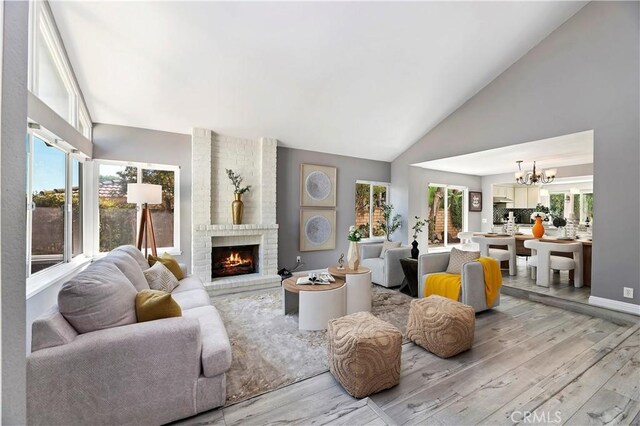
(50, 74)
(54, 195)
(119, 220)
(447, 214)
(370, 197)
(556, 204)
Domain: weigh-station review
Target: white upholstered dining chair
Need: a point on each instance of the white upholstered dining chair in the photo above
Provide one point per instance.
(498, 254)
(542, 262)
(466, 243)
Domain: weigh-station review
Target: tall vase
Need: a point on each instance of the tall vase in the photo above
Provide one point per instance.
(237, 209)
(538, 229)
(353, 256)
(414, 251)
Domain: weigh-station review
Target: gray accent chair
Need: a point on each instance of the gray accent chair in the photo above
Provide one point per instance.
(385, 271)
(472, 292)
(151, 372)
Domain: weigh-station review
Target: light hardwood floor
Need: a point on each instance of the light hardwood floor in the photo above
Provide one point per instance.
(526, 357)
(560, 287)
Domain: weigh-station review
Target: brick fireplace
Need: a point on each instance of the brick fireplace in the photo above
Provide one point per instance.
(212, 194)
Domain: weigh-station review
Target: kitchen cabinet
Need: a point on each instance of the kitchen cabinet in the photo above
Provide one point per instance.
(520, 198)
(533, 193)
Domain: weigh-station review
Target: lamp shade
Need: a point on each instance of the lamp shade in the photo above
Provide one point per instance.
(140, 193)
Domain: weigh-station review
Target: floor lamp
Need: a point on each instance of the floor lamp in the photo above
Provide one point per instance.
(145, 194)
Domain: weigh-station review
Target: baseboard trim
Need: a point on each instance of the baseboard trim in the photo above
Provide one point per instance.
(616, 305)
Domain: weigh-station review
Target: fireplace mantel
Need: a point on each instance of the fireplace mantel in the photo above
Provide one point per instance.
(211, 197)
(243, 227)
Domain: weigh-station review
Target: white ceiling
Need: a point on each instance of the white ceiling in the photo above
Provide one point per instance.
(568, 150)
(359, 79)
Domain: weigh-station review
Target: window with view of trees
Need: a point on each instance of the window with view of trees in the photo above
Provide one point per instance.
(447, 214)
(54, 182)
(370, 198)
(556, 205)
(119, 220)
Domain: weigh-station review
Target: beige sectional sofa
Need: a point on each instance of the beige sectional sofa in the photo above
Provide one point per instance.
(124, 372)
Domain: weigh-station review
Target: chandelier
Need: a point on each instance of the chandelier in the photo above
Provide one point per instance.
(534, 176)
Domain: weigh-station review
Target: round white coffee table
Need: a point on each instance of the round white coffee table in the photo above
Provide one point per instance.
(315, 304)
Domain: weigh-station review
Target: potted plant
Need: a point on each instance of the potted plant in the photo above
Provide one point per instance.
(390, 223)
(353, 255)
(417, 228)
(237, 206)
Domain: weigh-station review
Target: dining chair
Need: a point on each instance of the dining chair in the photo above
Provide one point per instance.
(497, 253)
(466, 243)
(542, 262)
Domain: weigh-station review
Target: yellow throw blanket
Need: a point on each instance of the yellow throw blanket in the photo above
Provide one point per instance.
(492, 278)
(443, 284)
(449, 285)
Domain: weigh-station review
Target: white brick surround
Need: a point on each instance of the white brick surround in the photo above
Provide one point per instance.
(212, 195)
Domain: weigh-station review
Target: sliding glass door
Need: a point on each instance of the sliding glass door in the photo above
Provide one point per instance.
(447, 207)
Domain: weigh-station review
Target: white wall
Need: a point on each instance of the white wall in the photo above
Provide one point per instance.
(13, 121)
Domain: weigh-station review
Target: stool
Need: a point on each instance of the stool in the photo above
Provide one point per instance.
(364, 353)
(442, 326)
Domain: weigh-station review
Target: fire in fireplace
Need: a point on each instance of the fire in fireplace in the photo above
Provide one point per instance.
(234, 260)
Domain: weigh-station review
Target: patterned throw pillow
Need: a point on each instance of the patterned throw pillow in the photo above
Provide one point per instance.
(457, 258)
(160, 277)
(170, 262)
(389, 245)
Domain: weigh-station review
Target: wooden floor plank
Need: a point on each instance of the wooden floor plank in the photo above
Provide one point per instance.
(627, 381)
(526, 356)
(472, 408)
(432, 398)
(262, 404)
(571, 397)
(606, 408)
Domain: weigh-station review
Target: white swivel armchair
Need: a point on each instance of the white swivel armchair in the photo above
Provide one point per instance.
(542, 262)
(498, 254)
(385, 271)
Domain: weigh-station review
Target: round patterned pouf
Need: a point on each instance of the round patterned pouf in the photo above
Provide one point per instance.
(440, 325)
(364, 353)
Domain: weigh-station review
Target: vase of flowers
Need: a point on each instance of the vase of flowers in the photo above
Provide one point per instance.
(538, 229)
(353, 255)
(417, 228)
(237, 206)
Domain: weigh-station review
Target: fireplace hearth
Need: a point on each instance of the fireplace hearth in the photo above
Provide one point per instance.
(231, 261)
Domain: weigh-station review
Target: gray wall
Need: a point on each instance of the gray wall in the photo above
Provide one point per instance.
(123, 143)
(583, 76)
(288, 202)
(421, 178)
(13, 212)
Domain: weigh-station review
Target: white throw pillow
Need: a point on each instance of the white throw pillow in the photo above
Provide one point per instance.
(160, 277)
(389, 245)
(457, 258)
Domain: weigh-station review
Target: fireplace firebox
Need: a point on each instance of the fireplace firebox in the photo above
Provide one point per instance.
(230, 261)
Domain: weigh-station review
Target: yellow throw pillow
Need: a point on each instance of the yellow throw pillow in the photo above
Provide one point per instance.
(156, 304)
(170, 262)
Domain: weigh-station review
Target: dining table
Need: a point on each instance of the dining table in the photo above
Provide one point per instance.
(521, 250)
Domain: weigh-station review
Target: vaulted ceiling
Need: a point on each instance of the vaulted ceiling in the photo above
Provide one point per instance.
(359, 79)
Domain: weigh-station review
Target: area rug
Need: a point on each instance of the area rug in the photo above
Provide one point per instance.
(269, 351)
